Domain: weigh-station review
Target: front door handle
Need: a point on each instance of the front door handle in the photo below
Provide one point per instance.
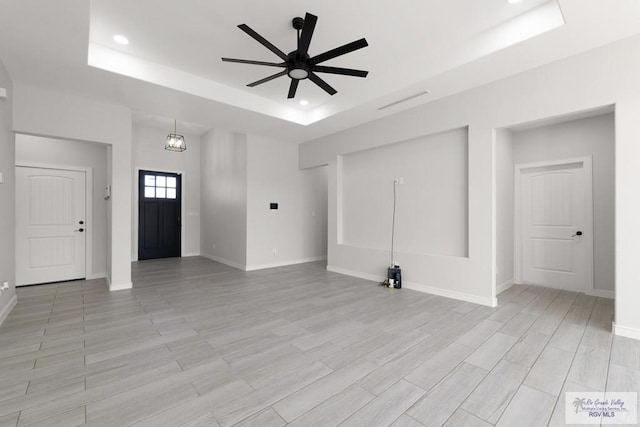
(578, 233)
(80, 230)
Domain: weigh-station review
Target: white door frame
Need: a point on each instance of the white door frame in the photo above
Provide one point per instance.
(587, 163)
(88, 201)
(136, 211)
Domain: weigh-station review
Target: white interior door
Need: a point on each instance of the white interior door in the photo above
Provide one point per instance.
(50, 225)
(556, 217)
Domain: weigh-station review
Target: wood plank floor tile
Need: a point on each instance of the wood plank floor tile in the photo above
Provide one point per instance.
(489, 400)
(335, 409)
(442, 401)
(528, 408)
(550, 371)
(493, 349)
(199, 409)
(298, 403)
(265, 418)
(199, 343)
(461, 418)
(406, 421)
(387, 407)
(626, 352)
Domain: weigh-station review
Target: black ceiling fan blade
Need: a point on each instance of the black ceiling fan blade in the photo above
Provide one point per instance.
(307, 32)
(266, 79)
(339, 51)
(248, 61)
(337, 70)
(324, 85)
(293, 88)
(263, 41)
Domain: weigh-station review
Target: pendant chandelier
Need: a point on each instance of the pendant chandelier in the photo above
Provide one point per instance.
(175, 142)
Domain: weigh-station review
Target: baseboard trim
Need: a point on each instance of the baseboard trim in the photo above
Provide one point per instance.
(626, 331)
(491, 302)
(120, 286)
(358, 274)
(5, 312)
(600, 293)
(284, 263)
(224, 261)
(506, 285)
(190, 254)
(97, 276)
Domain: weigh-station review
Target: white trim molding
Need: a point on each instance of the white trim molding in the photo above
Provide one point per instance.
(488, 301)
(625, 331)
(224, 261)
(120, 286)
(284, 263)
(5, 313)
(503, 287)
(601, 293)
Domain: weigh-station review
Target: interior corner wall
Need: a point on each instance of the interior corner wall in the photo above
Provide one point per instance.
(223, 203)
(600, 77)
(7, 197)
(63, 153)
(53, 114)
(297, 231)
(149, 154)
(593, 137)
(505, 182)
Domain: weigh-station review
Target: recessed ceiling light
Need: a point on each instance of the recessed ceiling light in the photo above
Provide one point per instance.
(513, 1)
(304, 102)
(120, 39)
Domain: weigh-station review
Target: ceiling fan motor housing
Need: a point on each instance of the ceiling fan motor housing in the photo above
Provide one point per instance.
(298, 66)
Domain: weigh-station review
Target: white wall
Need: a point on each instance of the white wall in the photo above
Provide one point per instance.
(593, 137)
(504, 209)
(61, 153)
(597, 78)
(297, 230)
(149, 154)
(7, 197)
(223, 219)
(431, 201)
(52, 114)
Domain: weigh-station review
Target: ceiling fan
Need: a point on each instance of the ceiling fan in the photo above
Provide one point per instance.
(299, 65)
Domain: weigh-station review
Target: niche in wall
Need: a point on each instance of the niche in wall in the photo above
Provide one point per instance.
(432, 202)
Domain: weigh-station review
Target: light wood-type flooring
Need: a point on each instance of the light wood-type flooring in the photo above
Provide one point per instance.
(199, 343)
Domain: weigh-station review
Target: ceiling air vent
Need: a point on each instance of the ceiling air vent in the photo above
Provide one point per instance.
(408, 98)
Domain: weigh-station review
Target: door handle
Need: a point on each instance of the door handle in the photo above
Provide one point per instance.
(81, 230)
(578, 233)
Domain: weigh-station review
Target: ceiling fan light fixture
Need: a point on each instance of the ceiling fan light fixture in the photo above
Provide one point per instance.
(298, 73)
(298, 70)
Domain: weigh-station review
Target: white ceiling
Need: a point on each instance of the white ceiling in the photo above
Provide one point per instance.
(172, 66)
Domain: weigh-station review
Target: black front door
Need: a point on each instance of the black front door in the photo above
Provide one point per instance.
(159, 228)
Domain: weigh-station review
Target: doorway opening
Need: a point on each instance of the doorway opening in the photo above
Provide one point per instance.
(555, 207)
(159, 215)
